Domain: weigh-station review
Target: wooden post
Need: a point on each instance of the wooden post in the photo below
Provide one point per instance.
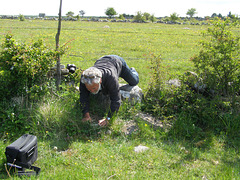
(58, 80)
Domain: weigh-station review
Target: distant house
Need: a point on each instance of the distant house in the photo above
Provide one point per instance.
(42, 15)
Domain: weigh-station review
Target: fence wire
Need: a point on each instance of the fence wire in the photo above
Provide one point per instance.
(126, 58)
(131, 58)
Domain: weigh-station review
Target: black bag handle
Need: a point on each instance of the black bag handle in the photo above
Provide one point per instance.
(30, 173)
(22, 167)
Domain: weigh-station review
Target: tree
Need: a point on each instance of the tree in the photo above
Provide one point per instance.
(121, 17)
(152, 18)
(70, 14)
(220, 15)
(216, 15)
(78, 17)
(82, 12)
(110, 12)
(127, 16)
(191, 12)
(146, 15)
(174, 17)
(21, 17)
(230, 15)
(139, 17)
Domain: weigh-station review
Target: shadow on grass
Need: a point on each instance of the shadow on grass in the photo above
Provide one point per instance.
(187, 141)
(216, 149)
(58, 123)
(71, 128)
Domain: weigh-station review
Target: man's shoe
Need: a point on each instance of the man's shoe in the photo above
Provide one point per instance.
(132, 68)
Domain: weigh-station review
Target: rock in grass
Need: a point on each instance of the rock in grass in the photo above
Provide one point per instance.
(132, 93)
(140, 148)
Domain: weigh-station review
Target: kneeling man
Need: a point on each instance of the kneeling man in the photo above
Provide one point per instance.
(103, 76)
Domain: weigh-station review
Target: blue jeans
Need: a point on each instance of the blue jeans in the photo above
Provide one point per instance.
(128, 74)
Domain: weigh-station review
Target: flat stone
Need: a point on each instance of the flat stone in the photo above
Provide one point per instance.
(131, 93)
(140, 148)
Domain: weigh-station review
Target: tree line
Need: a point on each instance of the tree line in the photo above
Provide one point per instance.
(111, 12)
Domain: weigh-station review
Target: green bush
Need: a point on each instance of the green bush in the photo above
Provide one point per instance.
(23, 67)
(24, 78)
(219, 60)
(21, 17)
(190, 113)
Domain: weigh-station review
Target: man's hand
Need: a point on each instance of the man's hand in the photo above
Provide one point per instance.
(103, 122)
(87, 118)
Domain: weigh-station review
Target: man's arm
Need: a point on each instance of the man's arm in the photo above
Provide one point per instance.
(84, 101)
(115, 97)
(86, 117)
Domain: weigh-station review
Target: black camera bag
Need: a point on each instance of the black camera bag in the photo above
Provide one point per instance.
(22, 153)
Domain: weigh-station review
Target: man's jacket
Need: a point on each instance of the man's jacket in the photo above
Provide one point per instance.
(111, 68)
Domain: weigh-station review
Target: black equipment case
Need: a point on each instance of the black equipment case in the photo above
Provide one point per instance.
(22, 153)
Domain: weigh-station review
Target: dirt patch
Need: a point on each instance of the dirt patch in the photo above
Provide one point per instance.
(131, 126)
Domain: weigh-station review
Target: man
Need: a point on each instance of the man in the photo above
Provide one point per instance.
(103, 76)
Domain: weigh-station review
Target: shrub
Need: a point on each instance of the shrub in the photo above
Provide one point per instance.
(190, 113)
(23, 76)
(23, 67)
(218, 62)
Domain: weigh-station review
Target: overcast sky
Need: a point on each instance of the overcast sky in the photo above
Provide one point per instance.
(98, 7)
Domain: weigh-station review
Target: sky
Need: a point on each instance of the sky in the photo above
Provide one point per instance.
(157, 8)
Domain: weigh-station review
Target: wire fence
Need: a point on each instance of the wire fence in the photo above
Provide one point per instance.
(126, 58)
(132, 58)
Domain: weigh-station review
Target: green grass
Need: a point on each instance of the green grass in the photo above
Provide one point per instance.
(108, 157)
(88, 41)
(69, 149)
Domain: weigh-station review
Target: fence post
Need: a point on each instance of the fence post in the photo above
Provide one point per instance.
(58, 80)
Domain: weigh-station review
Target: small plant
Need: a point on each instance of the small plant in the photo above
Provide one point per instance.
(14, 120)
(155, 96)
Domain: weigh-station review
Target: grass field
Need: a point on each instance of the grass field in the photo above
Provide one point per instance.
(88, 152)
(88, 41)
